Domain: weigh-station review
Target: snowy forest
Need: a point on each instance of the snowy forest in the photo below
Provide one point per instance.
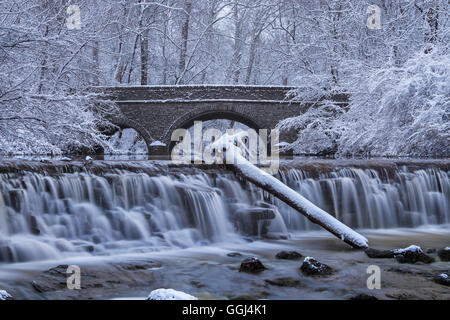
(391, 58)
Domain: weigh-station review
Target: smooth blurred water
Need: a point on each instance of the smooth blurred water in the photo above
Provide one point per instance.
(48, 217)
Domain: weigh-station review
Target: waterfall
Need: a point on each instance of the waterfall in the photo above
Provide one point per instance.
(3, 219)
(367, 198)
(52, 216)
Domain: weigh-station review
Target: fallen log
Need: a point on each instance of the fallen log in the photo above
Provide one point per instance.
(253, 174)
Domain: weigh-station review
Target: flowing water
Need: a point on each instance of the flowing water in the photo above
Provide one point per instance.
(46, 216)
(191, 217)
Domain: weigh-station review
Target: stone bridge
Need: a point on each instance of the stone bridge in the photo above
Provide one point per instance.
(156, 111)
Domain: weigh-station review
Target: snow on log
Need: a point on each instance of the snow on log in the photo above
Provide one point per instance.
(235, 144)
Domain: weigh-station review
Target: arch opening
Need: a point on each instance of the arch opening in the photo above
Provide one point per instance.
(126, 142)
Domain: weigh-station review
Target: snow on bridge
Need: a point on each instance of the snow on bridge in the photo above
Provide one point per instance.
(156, 111)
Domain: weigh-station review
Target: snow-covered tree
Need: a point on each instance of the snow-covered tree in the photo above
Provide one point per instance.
(396, 80)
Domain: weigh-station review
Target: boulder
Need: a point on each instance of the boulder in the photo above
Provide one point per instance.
(284, 282)
(5, 295)
(444, 254)
(443, 279)
(169, 294)
(234, 254)
(312, 267)
(379, 254)
(411, 254)
(363, 296)
(288, 255)
(252, 265)
(256, 214)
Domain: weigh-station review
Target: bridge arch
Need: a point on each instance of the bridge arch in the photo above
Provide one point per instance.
(187, 120)
(124, 123)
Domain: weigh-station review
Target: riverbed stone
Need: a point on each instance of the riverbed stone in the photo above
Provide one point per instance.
(444, 254)
(443, 279)
(363, 296)
(252, 265)
(312, 267)
(289, 255)
(234, 254)
(379, 254)
(284, 282)
(411, 254)
(169, 294)
(4, 295)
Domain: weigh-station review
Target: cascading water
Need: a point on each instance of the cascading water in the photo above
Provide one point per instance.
(87, 213)
(51, 216)
(372, 199)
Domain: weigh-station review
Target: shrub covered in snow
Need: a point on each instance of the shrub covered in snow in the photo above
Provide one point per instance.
(49, 125)
(394, 110)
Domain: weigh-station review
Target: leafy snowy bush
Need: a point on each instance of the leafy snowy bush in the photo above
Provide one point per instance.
(50, 125)
(393, 111)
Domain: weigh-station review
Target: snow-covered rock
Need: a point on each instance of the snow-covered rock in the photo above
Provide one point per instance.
(312, 267)
(157, 144)
(5, 295)
(169, 294)
(283, 144)
(412, 249)
(443, 279)
(411, 254)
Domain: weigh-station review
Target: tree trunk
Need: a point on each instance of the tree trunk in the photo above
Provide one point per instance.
(251, 58)
(184, 44)
(96, 62)
(121, 66)
(144, 58)
(235, 68)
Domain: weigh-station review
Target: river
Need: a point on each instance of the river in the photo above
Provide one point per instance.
(134, 226)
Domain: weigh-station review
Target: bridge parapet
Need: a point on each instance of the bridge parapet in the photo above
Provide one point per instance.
(197, 93)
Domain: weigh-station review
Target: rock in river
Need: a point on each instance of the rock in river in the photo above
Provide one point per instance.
(284, 282)
(411, 254)
(234, 254)
(288, 255)
(251, 265)
(443, 279)
(5, 295)
(444, 254)
(312, 267)
(169, 294)
(363, 296)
